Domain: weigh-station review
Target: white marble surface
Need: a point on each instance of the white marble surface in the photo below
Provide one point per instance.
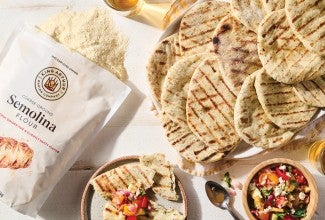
(133, 130)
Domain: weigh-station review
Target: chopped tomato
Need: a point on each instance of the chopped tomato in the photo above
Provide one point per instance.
(263, 216)
(131, 218)
(142, 201)
(280, 201)
(281, 174)
(299, 176)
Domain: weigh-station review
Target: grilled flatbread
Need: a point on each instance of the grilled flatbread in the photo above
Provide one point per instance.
(197, 26)
(162, 213)
(209, 108)
(273, 5)
(175, 88)
(312, 92)
(110, 212)
(283, 56)
(164, 180)
(251, 122)
(186, 143)
(280, 103)
(307, 20)
(164, 56)
(236, 48)
(121, 177)
(249, 12)
(14, 154)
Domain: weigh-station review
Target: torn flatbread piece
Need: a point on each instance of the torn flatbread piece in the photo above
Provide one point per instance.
(164, 180)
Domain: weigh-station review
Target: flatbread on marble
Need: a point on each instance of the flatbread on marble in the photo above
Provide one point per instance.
(282, 54)
(251, 122)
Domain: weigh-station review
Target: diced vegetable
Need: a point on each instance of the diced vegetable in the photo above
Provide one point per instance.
(227, 179)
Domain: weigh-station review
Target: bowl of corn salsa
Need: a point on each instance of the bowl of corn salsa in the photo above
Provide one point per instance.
(280, 189)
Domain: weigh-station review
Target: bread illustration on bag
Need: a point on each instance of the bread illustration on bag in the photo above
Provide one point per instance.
(14, 154)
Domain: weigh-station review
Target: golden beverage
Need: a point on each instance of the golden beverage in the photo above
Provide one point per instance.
(122, 5)
(316, 155)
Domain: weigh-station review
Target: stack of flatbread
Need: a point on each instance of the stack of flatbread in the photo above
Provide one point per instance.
(248, 70)
(152, 172)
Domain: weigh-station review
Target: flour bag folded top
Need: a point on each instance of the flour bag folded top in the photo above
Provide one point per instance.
(52, 103)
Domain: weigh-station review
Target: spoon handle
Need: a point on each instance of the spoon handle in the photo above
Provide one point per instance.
(233, 214)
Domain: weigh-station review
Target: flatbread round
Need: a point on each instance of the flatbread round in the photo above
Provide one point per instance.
(307, 20)
(251, 122)
(249, 12)
(312, 92)
(209, 108)
(283, 56)
(174, 93)
(236, 49)
(197, 26)
(164, 56)
(187, 144)
(280, 103)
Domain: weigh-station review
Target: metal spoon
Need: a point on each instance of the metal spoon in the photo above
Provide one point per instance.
(219, 197)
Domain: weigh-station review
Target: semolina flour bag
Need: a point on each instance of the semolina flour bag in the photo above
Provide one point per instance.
(52, 103)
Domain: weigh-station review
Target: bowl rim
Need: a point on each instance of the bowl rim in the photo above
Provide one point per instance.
(312, 206)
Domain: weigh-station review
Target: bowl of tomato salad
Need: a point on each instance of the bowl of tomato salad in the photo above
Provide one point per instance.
(280, 189)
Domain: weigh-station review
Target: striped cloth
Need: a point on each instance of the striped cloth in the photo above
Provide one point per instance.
(176, 9)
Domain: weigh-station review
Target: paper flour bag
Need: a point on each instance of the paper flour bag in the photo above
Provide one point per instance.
(52, 103)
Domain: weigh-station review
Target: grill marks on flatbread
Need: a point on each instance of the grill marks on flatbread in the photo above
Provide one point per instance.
(281, 104)
(175, 88)
(251, 122)
(312, 92)
(164, 180)
(210, 106)
(110, 212)
(121, 177)
(273, 5)
(307, 20)
(186, 143)
(198, 24)
(249, 12)
(283, 56)
(164, 56)
(236, 49)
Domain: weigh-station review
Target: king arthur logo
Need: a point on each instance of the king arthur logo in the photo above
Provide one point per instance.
(51, 83)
